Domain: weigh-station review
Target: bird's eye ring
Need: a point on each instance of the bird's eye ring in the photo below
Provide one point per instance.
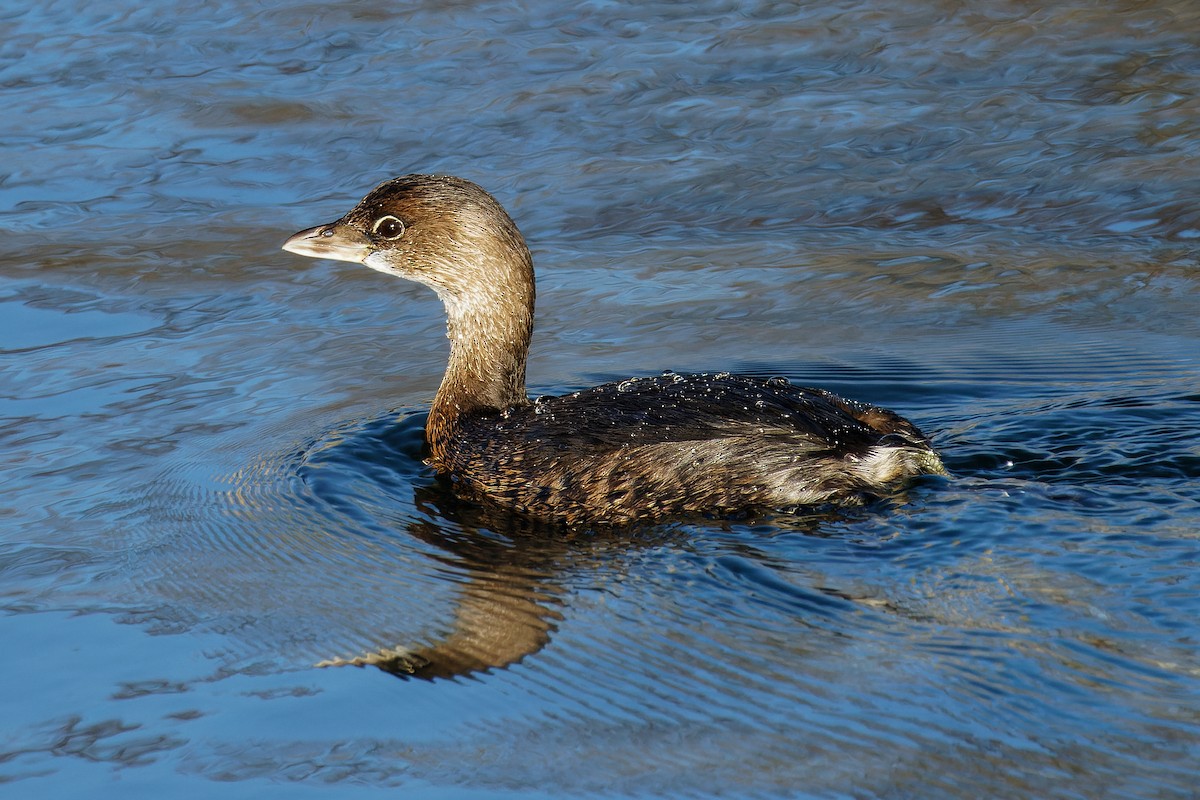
(388, 227)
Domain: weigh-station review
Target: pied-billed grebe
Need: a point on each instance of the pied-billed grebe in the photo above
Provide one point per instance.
(644, 447)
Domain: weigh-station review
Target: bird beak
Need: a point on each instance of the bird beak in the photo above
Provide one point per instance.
(335, 240)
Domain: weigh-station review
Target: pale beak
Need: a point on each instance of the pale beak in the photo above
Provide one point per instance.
(335, 240)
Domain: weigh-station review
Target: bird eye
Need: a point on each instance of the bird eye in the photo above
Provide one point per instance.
(388, 227)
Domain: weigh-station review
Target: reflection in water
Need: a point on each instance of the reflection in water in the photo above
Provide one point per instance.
(505, 572)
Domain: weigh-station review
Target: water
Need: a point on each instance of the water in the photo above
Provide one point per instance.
(980, 215)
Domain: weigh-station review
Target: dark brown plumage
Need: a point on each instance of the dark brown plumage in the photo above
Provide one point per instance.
(642, 448)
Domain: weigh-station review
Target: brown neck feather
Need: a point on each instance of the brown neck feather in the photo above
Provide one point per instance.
(489, 326)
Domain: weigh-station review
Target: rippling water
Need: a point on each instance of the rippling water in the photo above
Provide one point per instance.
(982, 215)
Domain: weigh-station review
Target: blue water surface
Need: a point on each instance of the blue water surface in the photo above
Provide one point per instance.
(982, 215)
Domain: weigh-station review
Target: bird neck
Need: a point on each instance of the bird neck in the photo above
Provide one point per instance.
(489, 329)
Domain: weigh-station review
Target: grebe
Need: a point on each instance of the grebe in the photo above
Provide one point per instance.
(641, 448)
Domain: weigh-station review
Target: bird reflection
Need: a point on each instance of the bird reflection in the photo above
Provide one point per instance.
(512, 570)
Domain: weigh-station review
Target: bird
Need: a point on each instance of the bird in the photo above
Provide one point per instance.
(644, 448)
